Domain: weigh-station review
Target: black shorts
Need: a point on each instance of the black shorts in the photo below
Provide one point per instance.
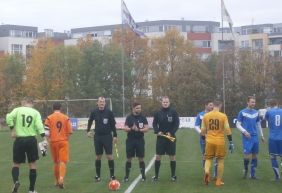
(135, 147)
(102, 142)
(25, 147)
(165, 146)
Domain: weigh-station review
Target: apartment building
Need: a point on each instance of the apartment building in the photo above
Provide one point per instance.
(206, 36)
(198, 32)
(15, 39)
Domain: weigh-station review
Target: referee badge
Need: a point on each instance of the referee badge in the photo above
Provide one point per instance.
(169, 119)
(105, 121)
(140, 125)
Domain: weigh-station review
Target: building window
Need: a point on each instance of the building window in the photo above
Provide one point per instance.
(244, 31)
(170, 27)
(188, 28)
(257, 44)
(202, 43)
(276, 53)
(145, 29)
(16, 33)
(154, 29)
(206, 44)
(28, 49)
(245, 44)
(225, 45)
(161, 28)
(30, 34)
(267, 30)
(199, 28)
(107, 33)
(24, 34)
(17, 49)
(277, 41)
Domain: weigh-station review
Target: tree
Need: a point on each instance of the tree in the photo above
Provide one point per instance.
(12, 69)
(42, 81)
(175, 69)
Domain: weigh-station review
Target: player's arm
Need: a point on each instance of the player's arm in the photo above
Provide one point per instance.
(90, 122)
(40, 127)
(197, 124)
(127, 128)
(43, 145)
(229, 134)
(10, 121)
(113, 126)
(43, 131)
(126, 124)
(243, 130)
(39, 124)
(47, 127)
(260, 130)
(69, 128)
(155, 124)
(203, 129)
(146, 126)
(175, 124)
(240, 127)
(10, 118)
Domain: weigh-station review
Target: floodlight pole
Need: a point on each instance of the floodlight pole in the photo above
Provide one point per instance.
(223, 65)
(122, 63)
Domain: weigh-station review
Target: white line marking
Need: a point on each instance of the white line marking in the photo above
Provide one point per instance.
(135, 182)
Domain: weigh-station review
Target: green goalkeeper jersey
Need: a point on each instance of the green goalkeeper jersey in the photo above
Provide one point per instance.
(26, 120)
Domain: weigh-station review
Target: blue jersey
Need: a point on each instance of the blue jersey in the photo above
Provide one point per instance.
(273, 116)
(198, 122)
(199, 118)
(249, 118)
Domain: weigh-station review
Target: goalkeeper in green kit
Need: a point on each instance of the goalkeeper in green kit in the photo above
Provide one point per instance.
(25, 123)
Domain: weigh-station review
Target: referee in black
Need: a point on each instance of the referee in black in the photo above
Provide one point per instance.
(104, 136)
(166, 121)
(135, 125)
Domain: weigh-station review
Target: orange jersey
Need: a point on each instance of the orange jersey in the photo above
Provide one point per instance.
(214, 126)
(59, 126)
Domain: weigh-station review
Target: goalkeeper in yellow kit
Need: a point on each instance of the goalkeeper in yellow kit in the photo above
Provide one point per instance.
(214, 126)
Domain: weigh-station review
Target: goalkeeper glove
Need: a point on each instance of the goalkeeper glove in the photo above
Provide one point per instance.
(231, 147)
(43, 147)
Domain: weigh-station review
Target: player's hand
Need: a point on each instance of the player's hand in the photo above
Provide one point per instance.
(160, 133)
(231, 147)
(247, 134)
(168, 133)
(127, 129)
(114, 140)
(45, 142)
(135, 128)
(262, 139)
(90, 134)
(43, 145)
(13, 134)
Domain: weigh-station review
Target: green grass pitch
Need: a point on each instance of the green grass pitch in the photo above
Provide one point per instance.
(81, 171)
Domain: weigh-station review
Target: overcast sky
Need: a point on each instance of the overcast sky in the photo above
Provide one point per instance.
(63, 15)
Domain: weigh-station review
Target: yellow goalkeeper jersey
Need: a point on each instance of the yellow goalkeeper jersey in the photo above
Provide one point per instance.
(214, 126)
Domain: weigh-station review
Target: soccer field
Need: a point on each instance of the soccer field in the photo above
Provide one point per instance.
(81, 171)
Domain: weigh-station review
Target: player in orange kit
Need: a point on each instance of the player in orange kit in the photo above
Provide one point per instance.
(58, 129)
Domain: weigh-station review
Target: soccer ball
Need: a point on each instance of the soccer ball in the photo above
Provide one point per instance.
(114, 185)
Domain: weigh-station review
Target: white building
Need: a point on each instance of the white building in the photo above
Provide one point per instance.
(16, 39)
